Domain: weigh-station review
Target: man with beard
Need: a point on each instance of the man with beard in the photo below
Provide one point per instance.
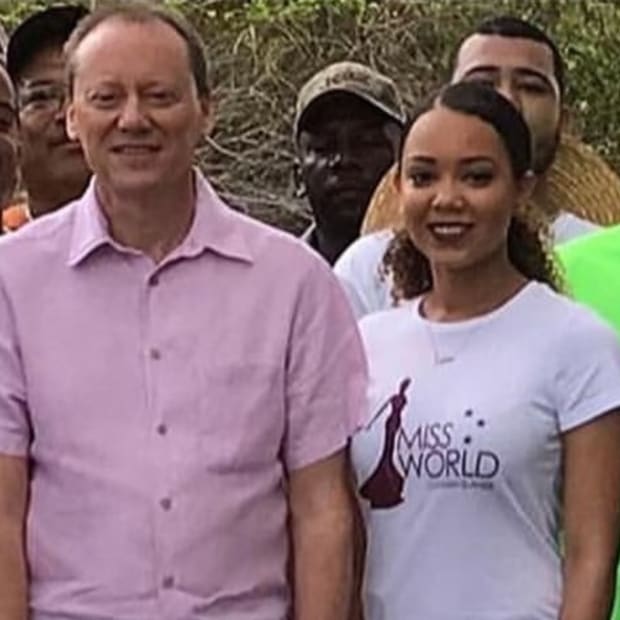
(523, 64)
(53, 168)
(347, 126)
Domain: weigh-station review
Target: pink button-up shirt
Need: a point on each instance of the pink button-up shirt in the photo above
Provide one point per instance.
(161, 406)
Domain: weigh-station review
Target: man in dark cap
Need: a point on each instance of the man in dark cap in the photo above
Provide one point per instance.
(53, 168)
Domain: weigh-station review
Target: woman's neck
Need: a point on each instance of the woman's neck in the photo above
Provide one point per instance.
(467, 293)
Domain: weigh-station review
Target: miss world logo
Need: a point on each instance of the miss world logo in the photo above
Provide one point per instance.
(434, 451)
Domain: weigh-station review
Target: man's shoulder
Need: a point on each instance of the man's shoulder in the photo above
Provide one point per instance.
(37, 242)
(266, 247)
(368, 248)
(270, 246)
(600, 245)
(592, 266)
(568, 226)
(603, 238)
(362, 259)
(359, 270)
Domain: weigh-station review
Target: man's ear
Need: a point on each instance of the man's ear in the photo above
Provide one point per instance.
(70, 123)
(298, 181)
(567, 122)
(394, 132)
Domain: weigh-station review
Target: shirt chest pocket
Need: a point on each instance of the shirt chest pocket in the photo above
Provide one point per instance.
(241, 416)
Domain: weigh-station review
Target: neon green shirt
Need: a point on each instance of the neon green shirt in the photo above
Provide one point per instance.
(592, 265)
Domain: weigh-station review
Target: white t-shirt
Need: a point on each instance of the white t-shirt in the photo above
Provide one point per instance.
(359, 266)
(359, 272)
(459, 464)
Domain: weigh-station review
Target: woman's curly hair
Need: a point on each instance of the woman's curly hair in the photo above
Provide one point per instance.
(529, 236)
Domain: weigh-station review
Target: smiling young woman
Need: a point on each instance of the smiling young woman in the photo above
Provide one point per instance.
(492, 421)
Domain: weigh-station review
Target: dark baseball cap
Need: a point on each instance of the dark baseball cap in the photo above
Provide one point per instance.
(47, 28)
(355, 79)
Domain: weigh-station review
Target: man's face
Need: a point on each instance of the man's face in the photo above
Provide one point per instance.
(522, 70)
(8, 130)
(134, 106)
(345, 147)
(53, 166)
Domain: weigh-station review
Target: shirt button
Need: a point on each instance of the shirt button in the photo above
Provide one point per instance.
(167, 582)
(162, 429)
(155, 354)
(166, 503)
(153, 280)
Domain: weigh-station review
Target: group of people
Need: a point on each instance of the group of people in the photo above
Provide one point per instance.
(200, 418)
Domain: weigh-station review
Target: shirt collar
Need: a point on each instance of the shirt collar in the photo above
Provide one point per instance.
(216, 227)
(309, 236)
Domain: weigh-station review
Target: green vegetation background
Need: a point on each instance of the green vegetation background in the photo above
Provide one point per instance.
(261, 51)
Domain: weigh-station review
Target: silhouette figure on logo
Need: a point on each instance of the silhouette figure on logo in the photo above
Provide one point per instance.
(384, 488)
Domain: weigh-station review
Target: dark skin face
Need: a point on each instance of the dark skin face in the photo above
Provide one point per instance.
(345, 147)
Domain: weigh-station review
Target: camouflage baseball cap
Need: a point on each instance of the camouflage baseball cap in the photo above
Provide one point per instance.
(356, 79)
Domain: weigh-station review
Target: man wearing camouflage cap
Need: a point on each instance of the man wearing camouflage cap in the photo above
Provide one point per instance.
(347, 126)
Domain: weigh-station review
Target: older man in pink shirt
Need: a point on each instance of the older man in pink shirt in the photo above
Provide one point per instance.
(177, 383)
